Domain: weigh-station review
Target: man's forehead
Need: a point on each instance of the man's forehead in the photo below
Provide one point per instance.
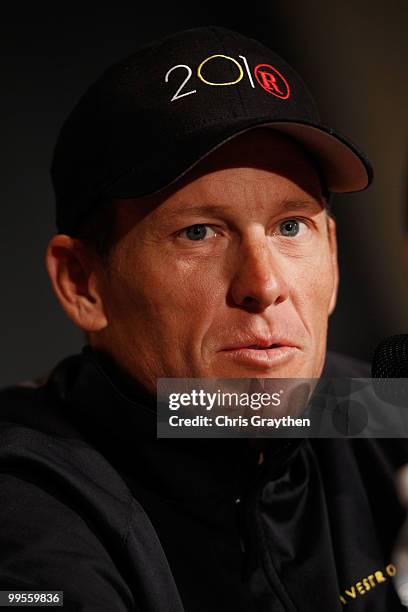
(196, 207)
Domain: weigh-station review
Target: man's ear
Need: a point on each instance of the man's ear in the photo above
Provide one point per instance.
(73, 271)
(331, 228)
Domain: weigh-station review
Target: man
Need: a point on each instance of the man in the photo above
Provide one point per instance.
(194, 240)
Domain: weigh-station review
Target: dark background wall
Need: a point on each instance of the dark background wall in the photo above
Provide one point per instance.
(352, 54)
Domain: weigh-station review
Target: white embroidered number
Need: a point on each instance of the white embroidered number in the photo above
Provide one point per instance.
(248, 70)
(178, 95)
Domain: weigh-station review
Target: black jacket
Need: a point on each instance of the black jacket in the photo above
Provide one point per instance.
(93, 504)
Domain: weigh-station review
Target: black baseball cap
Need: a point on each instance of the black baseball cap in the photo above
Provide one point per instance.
(150, 118)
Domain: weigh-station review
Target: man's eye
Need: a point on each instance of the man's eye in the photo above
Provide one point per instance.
(292, 227)
(198, 232)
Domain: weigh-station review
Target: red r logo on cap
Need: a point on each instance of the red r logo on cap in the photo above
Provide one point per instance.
(272, 81)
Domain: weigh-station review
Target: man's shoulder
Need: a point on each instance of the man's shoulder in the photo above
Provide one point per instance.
(38, 434)
(52, 475)
(31, 405)
(62, 497)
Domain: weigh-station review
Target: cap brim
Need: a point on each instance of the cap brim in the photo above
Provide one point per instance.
(344, 167)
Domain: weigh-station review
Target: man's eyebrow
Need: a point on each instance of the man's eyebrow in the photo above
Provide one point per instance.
(288, 205)
(198, 209)
(211, 209)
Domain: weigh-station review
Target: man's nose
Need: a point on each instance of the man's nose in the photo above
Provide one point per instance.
(259, 280)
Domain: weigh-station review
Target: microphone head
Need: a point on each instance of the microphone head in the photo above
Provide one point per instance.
(390, 361)
(391, 358)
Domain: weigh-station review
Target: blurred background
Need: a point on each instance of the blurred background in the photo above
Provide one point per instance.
(353, 55)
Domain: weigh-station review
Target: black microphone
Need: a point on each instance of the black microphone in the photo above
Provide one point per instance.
(391, 361)
(391, 358)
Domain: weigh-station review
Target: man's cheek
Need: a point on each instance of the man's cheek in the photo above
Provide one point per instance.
(313, 295)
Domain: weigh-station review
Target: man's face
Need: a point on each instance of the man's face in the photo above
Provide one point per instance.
(230, 273)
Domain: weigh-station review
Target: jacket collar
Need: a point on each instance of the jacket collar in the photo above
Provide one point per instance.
(121, 423)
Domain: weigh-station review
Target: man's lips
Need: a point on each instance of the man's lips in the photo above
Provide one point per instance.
(265, 358)
(261, 352)
(260, 344)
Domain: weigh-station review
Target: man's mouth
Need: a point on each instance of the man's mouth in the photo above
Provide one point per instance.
(262, 354)
(260, 347)
(260, 343)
